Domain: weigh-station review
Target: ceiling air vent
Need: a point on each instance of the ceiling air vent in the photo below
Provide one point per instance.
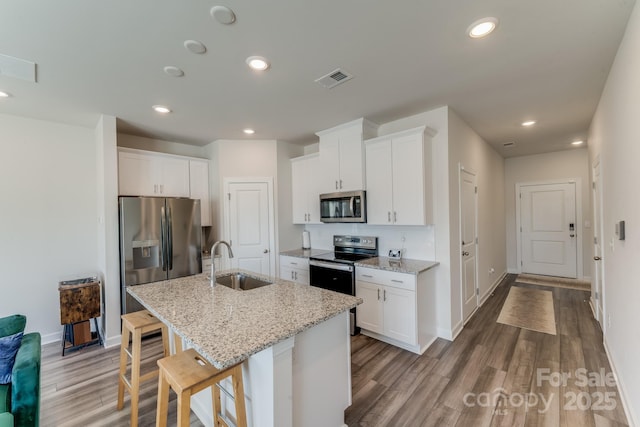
(334, 78)
(509, 144)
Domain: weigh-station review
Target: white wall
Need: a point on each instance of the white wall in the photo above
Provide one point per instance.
(614, 137)
(467, 149)
(289, 235)
(48, 228)
(547, 167)
(159, 145)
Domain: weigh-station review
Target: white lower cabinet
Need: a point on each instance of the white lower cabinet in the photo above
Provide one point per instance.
(294, 269)
(397, 308)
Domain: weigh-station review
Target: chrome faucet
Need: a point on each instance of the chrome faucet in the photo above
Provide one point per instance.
(213, 254)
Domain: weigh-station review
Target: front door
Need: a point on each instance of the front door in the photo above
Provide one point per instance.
(249, 226)
(468, 226)
(549, 229)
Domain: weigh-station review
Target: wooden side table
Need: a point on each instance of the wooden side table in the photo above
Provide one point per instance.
(79, 303)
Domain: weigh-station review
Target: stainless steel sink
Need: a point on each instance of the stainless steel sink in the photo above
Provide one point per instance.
(240, 281)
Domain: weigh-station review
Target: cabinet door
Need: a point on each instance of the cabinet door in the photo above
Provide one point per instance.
(379, 182)
(137, 175)
(199, 188)
(351, 160)
(312, 189)
(329, 173)
(408, 180)
(174, 180)
(302, 276)
(286, 273)
(369, 314)
(399, 314)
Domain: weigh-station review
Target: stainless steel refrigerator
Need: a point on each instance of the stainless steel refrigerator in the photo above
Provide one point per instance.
(160, 239)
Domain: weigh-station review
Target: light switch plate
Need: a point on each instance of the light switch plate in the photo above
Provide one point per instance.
(395, 253)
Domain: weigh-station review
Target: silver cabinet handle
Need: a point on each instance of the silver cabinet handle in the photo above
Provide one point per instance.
(155, 188)
(293, 263)
(395, 216)
(161, 188)
(296, 274)
(384, 295)
(397, 281)
(292, 275)
(378, 294)
(367, 275)
(336, 184)
(389, 216)
(340, 184)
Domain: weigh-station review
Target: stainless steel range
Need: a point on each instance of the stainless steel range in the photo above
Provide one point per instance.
(336, 271)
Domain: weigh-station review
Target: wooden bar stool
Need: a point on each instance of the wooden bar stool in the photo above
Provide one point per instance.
(134, 325)
(188, 373)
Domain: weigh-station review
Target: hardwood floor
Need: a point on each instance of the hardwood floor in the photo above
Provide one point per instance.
(490, 366)
(492, 374)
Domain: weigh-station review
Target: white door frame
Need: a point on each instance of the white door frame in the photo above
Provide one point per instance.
(462, 168)
(579, 225)
(598, 306)
(226, 182)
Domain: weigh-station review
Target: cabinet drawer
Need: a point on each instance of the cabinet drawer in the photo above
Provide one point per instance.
(294, 262)
(386, 278)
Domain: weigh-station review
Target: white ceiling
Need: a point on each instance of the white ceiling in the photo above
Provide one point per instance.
(548, 60)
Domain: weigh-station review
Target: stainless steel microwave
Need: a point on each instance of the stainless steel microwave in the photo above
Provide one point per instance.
(347, 206)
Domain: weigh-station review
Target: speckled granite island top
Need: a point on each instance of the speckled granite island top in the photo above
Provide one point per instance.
(227, 326)
(408, 266)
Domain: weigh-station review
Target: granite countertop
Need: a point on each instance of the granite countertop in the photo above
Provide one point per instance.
(409, 266)
(305, 253)
(227, 326)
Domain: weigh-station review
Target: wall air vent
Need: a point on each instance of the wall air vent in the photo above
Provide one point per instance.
(509, 144)
(334, 78)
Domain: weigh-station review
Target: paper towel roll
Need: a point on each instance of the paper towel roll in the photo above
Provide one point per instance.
(306, 240)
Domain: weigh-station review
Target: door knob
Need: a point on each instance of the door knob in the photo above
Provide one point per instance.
(465, 253)
(266, 251)
(596, 258)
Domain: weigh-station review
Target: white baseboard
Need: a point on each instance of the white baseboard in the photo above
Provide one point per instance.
(586, 278)
(633, 422)
(112, 341)
(513, 271)
(495, 284)
(51, 338)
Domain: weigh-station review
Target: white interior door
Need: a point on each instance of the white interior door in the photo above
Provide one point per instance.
(548, 229)
(597, 291)
(249, 226)
(468, 234)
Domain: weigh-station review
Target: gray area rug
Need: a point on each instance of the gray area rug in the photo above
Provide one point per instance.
(556, 282)
(529, 309)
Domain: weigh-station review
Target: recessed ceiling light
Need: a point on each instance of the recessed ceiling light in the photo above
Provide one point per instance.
(577, 142)
(258, 63)
(173, 71)
(482, 27)
(195, 46)
(223, 15)
(161, 109)
(529, 123)
(249, 131)
(4, 95)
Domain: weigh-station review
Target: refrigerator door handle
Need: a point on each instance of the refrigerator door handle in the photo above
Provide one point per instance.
(163, 239)
(170, 239)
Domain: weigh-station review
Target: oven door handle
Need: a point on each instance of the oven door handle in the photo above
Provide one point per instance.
(330, 265)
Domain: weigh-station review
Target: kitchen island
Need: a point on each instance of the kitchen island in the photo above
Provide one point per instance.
(293, 341)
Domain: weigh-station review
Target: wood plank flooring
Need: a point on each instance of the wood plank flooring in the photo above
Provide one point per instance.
(492, 374)
(393, 387)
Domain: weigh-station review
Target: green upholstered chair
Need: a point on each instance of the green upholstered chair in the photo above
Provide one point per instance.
(20, 400)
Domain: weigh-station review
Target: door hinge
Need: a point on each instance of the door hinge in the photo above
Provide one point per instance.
(597, 295)
(476, 189)
(229, 196)
(477, 291)
(520, 195)
(476, 240)
(593, 185)
(521, 229)
(520, 263)
(595, 240)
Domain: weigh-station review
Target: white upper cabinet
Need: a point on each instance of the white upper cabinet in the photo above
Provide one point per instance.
(141, 173)
(304, 189)
(199, 188)
(399, 185)
(342, 156)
